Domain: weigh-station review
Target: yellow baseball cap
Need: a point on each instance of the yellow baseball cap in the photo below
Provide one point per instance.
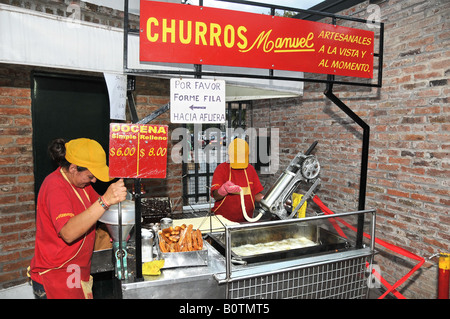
(238, 153)
(88, 153)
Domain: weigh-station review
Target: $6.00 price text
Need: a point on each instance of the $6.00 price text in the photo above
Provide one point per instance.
(131, 151)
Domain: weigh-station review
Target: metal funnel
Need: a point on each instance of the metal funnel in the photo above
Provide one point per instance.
(113, 231)
(111, 219)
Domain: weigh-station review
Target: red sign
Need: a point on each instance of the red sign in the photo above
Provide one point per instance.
(137, 150)
(179, 33)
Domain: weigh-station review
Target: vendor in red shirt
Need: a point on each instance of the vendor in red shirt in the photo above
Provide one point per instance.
(230, 178)
(68, 209)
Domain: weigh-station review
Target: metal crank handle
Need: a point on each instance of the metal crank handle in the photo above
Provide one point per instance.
(311, 148)
(305, 197)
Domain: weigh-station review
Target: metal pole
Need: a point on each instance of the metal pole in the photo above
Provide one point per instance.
(227, 261)
(120, 242)
(138, 227)
(228, 252)
(364, 156)
(125, 35)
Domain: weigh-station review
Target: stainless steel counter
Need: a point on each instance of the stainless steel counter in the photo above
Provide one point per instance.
(332, 274)
(209, 282)
(184, 282)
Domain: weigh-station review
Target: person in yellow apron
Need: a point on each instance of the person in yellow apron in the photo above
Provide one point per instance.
(66, 215)
(230, 178)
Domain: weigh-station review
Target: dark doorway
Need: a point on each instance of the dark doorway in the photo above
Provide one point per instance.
(68, 107)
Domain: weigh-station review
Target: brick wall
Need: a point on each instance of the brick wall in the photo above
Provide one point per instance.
(17, 212)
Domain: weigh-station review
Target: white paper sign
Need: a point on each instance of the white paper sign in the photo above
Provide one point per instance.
(117, 91)
(197, 101)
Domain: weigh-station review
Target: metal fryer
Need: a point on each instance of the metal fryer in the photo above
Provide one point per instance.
(325, 241)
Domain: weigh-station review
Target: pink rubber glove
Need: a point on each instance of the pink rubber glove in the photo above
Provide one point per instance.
(227, 188)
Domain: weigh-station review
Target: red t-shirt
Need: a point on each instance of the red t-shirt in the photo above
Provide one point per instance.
(57, 203)
(230, 205)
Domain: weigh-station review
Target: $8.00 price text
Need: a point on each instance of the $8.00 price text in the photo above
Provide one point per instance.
(131, 151)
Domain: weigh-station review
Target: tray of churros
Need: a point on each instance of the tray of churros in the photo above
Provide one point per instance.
(182, 246)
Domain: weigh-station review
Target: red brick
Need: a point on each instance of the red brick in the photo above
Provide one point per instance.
(402, 161)
(17, 227)
(14, 92)
(397, 193)
(423, 197)
(6, 101)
